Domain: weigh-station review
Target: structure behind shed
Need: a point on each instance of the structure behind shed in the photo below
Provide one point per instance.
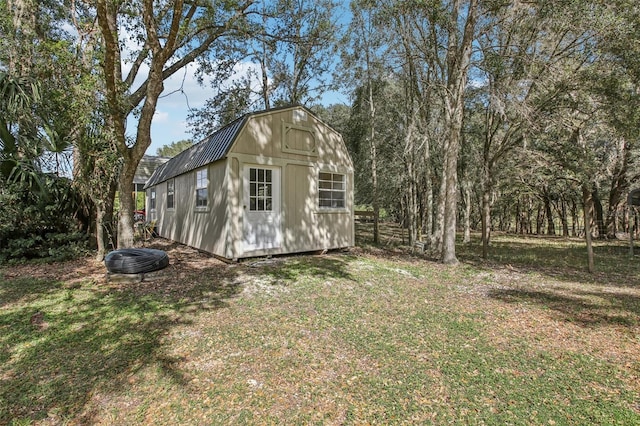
(633, 200)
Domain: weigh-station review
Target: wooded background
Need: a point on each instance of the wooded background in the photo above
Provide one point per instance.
(464, 115)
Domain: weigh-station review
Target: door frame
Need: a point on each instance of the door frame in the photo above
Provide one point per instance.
(272, 218)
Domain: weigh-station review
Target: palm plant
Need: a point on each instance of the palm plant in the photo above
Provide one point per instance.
(18, 95)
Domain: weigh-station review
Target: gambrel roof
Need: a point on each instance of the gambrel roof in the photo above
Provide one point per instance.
(214, 148)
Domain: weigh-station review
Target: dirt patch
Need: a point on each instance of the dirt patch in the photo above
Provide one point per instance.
(185, 265)
(72, 272)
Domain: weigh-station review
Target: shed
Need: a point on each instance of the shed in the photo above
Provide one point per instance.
(145, 169)
(271, 182)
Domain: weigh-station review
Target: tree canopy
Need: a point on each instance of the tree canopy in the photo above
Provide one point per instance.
(463, 114)
(174, 148)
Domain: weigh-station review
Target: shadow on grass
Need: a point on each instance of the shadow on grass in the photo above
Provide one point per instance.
(59, 345)
(390, 234)
(26, 289)
(558, 258)
(580, 307)
(290, 269)
(92, 337)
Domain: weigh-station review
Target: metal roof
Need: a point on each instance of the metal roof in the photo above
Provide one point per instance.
(147, 166)
(214, 148)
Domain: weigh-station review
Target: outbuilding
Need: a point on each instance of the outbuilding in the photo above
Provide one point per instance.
(271, 182)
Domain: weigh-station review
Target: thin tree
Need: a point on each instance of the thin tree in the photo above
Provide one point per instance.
(172, 34)
(362, 64)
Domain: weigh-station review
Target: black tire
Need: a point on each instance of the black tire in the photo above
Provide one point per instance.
(136, 261)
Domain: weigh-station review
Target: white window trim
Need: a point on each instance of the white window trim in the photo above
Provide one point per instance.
(206, 187)
(153, 199)
(173, 207)
(258, 196)
(343, 209)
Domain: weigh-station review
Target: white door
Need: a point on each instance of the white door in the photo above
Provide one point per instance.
(262, 216)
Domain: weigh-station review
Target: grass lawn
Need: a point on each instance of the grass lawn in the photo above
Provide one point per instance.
(373, 336)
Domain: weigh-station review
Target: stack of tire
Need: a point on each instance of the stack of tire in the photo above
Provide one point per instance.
(136, 261)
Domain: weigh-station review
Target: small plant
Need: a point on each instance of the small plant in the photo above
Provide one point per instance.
(39, 225)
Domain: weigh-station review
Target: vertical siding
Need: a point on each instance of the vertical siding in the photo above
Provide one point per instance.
(311, 147)
(263, 136)
(301, 231)
(305, 227)
(234, 210)
(204, 229)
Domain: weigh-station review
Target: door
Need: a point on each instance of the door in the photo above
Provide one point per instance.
(300, 208)
(261, 206)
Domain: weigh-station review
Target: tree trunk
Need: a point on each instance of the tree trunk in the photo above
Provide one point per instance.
(551, 228)
(529, 219)
(20, 53)
(539, 220)
(563, 217)
(133, 155)
(467, 213)
(403, 219)
(104, 221)
(486, 221)
(427, 218)
(125, 215)
(100, 235)
(264, 89)
(458, 60)
(518, 225)
(504, 225)
(619, 186)
(169, 39)
(375, 201)
(374, 159)
(587, 208)
(599, 214)
(451, 191)
(574, 217)
(486, 197)
(436, 239)
(412, 204)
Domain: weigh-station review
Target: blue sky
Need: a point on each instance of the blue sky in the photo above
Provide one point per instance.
(170, 120)
(182, 92)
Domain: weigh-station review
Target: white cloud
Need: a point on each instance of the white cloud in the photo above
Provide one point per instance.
(160, 117)
(182, 92)
(183, 89)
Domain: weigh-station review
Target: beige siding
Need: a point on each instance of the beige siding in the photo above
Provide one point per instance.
(202, 228)
(301, 149)
(265, 136)
(301, 231)
(306, 226)
(234, 211)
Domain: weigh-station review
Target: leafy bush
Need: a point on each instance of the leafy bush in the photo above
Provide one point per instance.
(39, 223)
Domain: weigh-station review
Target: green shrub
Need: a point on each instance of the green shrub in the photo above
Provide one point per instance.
(39, 223)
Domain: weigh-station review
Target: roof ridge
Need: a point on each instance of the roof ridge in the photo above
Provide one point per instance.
(212, 148)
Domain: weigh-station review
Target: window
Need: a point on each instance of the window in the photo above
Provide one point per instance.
(170, 193)
(202, 194)
(331, 190)
(260, 190)
(152, 199)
